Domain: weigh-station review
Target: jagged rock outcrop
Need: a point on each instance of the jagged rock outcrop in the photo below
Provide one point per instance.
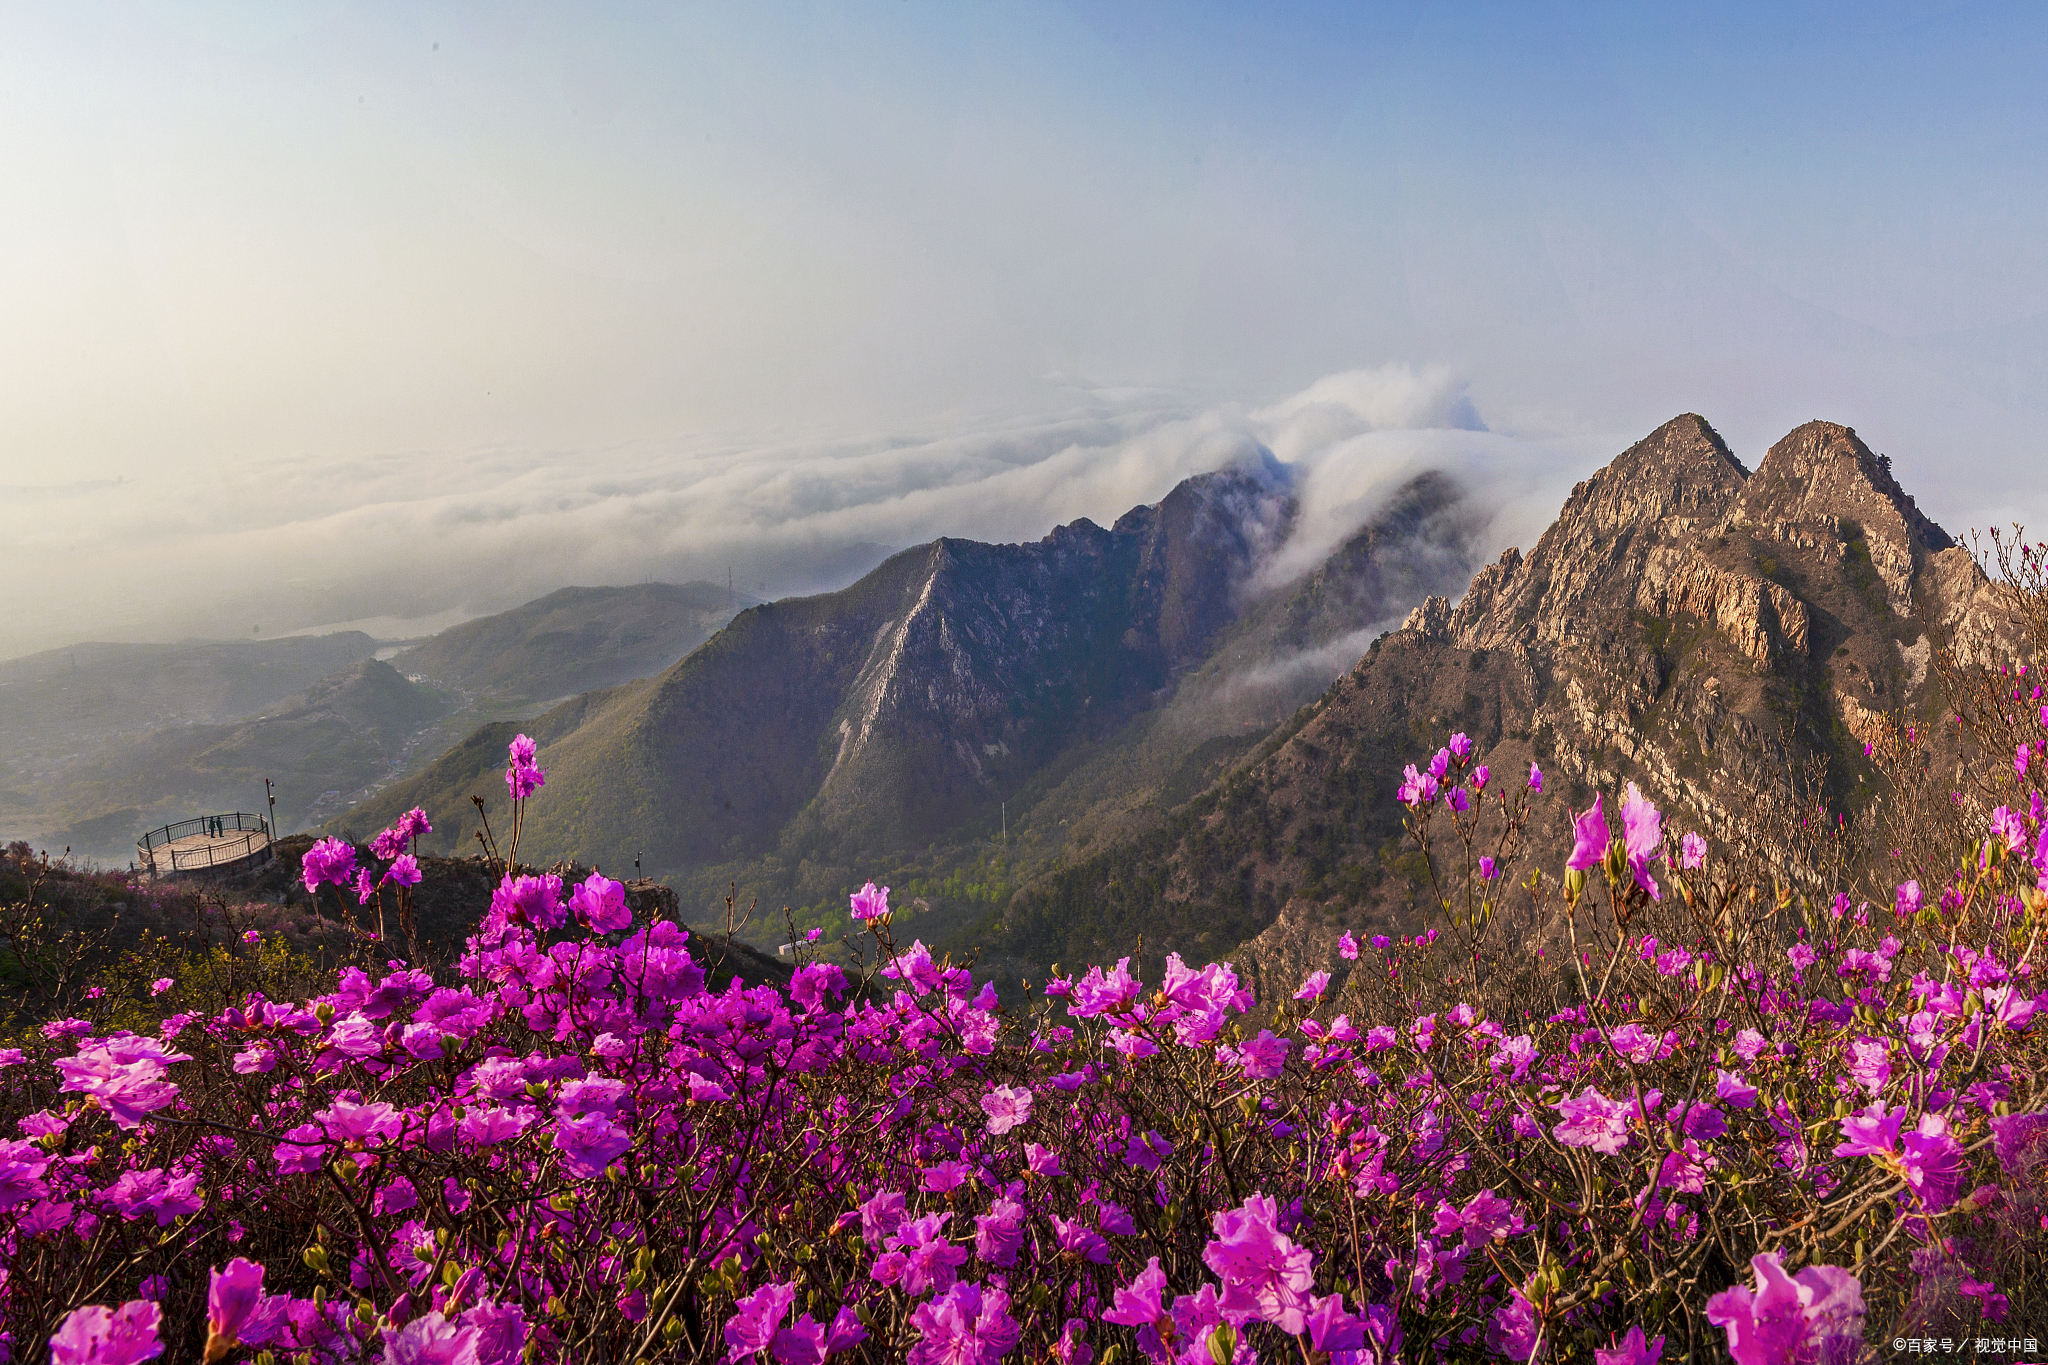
(1431, 620)
(1761, 619)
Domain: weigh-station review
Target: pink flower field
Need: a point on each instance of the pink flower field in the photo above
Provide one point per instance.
(1665, 1101)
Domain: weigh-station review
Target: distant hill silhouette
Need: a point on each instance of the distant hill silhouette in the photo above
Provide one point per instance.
(69, 706)
(340, 735)
(573, 640)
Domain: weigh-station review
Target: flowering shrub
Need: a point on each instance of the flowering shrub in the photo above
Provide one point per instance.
(1734, 1118)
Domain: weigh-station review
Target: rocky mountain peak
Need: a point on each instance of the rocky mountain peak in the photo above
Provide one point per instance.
(1679, 478)
(1682, 469)
(1821, 488)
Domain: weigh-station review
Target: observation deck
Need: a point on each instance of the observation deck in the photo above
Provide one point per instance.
(231, 842)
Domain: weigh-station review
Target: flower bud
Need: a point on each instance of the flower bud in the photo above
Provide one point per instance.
(1223, 1344)
(324, 1012)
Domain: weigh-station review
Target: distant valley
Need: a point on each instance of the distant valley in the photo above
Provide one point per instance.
(102, 741)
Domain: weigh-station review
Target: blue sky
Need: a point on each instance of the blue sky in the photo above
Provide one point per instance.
(290, 278)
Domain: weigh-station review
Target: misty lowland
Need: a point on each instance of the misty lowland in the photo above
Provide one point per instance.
(1260, 928)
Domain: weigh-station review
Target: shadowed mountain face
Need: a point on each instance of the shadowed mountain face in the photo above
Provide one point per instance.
(1685, 624)
(902, 710)
(573, 640)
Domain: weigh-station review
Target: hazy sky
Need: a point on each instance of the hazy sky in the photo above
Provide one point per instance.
(324, 311)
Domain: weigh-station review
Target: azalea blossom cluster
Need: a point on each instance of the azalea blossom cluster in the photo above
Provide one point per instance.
(333, 861)
(1758, 1133)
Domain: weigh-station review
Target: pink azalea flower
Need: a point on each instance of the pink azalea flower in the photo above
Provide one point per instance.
(1589, 839)
(600, 902)
(1730, 1087)
(1265, 1276)
(968, 1326)
(328, 860)
(1515, 1331)
(881, 1215)
(404, 871)
(1000, 1232)
(348, 1121)
(232, 1295)
(1692, 855)
(1816, 1315)
(431, 1339)
(1908, 901)
(1932, 1161)
(523, 775)
(124, 1074)
(1873, 1132)
(1642, 835)
(943, 1177)
(1143, 1302)
(1347, 947)
(1592, 1120)
(589, 1143)
(1631, 1350)
(1513, 1058)
(1007, 1106)
(1869, 1064)
(1080, 1241)
(919, 1256)
(751, 1329)
(1535, 779)
(1265, 1056)
(104, 1336)
(1313, 986)
(870, 902)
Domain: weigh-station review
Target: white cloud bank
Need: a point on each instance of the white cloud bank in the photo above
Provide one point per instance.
(431, 538)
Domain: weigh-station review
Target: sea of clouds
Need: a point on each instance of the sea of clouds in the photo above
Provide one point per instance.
(405, 544)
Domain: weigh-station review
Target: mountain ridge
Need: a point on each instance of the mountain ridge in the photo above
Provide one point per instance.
(910, 706)
(1684, 622)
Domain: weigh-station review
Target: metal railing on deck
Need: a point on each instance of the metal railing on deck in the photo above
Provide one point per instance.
(161, 854)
